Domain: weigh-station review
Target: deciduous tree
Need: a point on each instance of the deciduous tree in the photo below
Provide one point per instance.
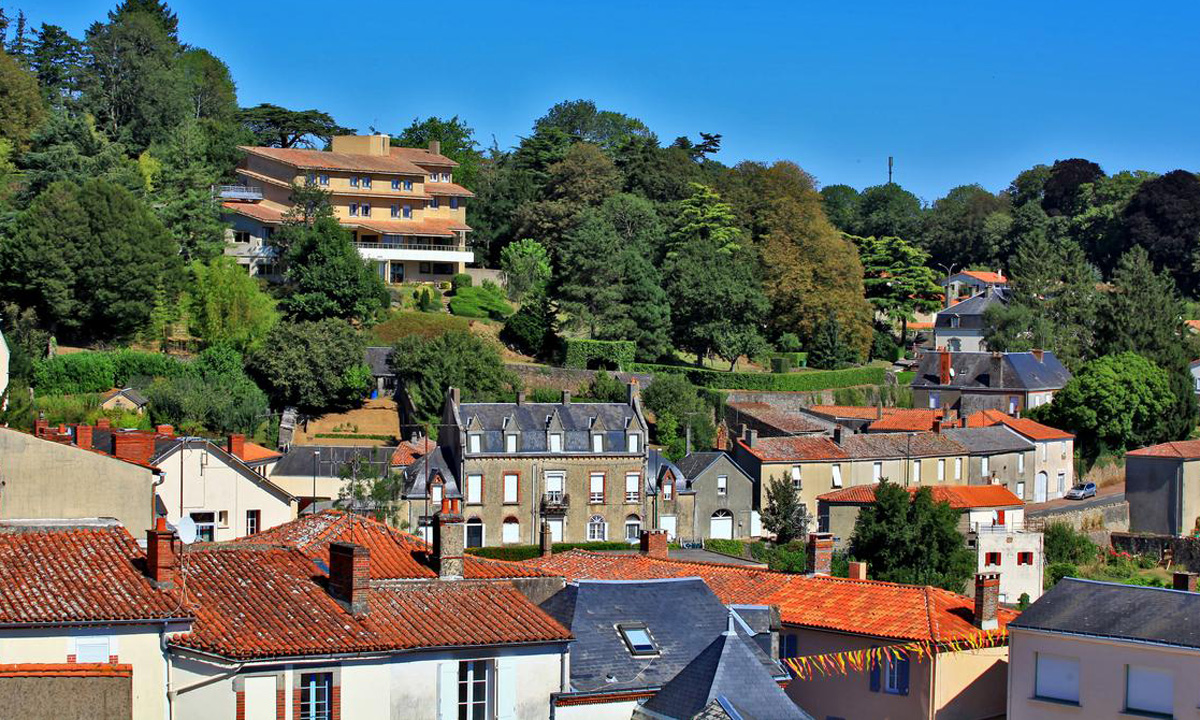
(426, 367)
(226, 306)
(316, 366)
(457, 141)
(328, 278)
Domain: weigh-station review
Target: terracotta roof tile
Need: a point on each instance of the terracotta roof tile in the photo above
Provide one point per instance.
(960, 497)
(257, 211)
(985, 276)
(326, 160)
(395, 555)
(864, 607)
(907, 420)
(790, 422)
(76, 571)
(795, 449)
(253, 452)
(1182, 449)
(452, 189)
(436, 227)
(859, 412)
(80, 670)
(421, 156)
(408, 451)
(1029, 428)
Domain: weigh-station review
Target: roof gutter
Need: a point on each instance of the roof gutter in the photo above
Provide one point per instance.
(94, 623)
(366, 654)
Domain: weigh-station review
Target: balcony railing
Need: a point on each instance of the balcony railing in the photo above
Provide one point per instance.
(238, 192)
(407, 245)
(992, 527)
(555, 503)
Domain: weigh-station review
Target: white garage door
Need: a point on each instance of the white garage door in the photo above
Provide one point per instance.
(720, 527)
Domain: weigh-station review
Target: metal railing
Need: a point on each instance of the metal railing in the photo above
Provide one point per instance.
(555, 501)
(991, 527)
(411, 246)
(238, 192)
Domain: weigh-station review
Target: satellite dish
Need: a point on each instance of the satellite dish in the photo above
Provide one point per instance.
(186, 530)
(951, 375)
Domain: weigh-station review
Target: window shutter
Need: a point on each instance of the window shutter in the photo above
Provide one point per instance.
(874, 676)
(448, 691)
(506, 688)
(902, 671)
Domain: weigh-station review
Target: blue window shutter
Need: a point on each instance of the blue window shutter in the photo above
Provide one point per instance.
(902, 672)
(874, 676)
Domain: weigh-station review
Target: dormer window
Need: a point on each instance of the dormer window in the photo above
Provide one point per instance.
(445, 177)
(474, 442)
(435, 493)
(954, 321)
(633, 443)
(510, 443)
(796, 482)
(597, 443)
(668, 489)
(638, 639)
(556, 442)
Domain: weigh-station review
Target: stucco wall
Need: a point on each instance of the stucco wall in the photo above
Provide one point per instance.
(136, 645)
(970, 685)
(211, 485)
(1015, 579)
(44, 479)
(1102, 671)
(739, 500)
(67, 698)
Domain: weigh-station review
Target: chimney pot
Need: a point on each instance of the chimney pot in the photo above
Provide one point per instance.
(237, 445)
(858, 570)
(837, 434)
(168, 430)
(751, 437)
(987, 600)
(820, 553)
(350, 575)
(160, 554)
(1184, 581)
(996, 371)
(633, 391)
(654, 544)
(448, 539)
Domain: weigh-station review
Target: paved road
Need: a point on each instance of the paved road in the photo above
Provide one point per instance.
(1104, 496)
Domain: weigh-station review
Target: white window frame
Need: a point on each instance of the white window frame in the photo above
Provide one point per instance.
(1021, 489)
(876, 472)
(797, 477)
(633, 480)
(510, 443)
(555, 478)
(629, 522)
(555, 442)
(722, 485)
(474, 443)
(512, 484)
(1155, 691)
(916, 471)
(468, 675)
(253, 522)
(958, 468)
(633, 443)
(667, 489)
(941, 470)
(510, 532)
(435, 493)
(597, 529)
(837, 475)
(985, 467)
(935, 399)
(474, 489)
(1021, 462)
(597, 443)
(595, 496)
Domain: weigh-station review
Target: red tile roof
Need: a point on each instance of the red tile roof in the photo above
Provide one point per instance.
(408, 451)
(1029, 428)
(985, 276)
(907, 420)
(920, 326)
(257, 211)
(794, 449)
(1182, 449)
(257, 601)
(81, 670)
(863, 607)
(854, 447)
(1193, 325)
(394, 163)
(453, 189)
(422, 156)
(859, 412)
(434, 227)
(791, 422)
(395, 555)
(960, 497)
(253, 452)
(76, 571)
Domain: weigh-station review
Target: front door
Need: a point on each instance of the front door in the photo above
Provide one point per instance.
(667, 522)
(1039, 487)
(556, 530)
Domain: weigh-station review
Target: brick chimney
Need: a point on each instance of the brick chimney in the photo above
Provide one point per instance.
(633, 391)
(546, 539)
(944, 366)
(654, 544)
(134, 445)
(1038, 354)
(103, 423)
(1184, 581)
(838, 432)
(987, 599)
(435, 147)
(820, 553)
(858, 571)
(448, 538)
(350, 575)
(751, 438)
(236, 445)
(41, 427)
(161, 566)
(167, 430)
(879, 410)
(83, 436)
(566, 397)
(520, 397)
(996, 371)
(937, 425)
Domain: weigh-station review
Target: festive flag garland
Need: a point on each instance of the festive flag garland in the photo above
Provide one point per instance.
(843, 663)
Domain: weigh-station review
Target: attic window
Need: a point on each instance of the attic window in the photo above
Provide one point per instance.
(637, 639)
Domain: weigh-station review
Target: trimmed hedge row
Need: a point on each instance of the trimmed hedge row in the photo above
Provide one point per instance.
(785, 382)
(94, 372)
(356, 436)
(527, 552)
(580, 352)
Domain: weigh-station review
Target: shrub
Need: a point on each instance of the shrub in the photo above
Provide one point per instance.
(781, 365)
(1065, 544)
(788, 343)
(459, 281)
(606, 388)
(545, 395)
(530, 330)
(1059, 570)
(85, 372)
(527, 552)
(428, 299)
(736, 548)
(618, 353)
(883, 347)
(480, 302)
(794, 382)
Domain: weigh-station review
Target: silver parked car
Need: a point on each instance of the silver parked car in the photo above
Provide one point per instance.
(1079, 492)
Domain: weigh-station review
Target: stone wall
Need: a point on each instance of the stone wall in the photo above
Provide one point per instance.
(1180, 551)
(1111, 517)
(541, 377)
(66, 698)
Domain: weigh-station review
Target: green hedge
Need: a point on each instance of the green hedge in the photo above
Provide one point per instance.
(580, 352)
(905, 377)
(92, 372)
(794, 382)
(797, 359)
(357, 436)
(528, 552)
(781, 365)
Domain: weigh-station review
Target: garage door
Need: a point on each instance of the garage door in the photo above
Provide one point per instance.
(720, 526)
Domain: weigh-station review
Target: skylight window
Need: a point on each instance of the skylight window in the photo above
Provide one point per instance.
(637, 639)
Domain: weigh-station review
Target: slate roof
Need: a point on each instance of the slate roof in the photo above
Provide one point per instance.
(377, 359)
(1117, 612)
(395, 555)
(862, 607)
(532, 420)
(683, 617)
(989, 440)
(866, 446)
(298, 460)
(960, 497)
(429, 467)
(972, 370)
(132, 394)
(970, 311)
(70, 571)
(728, 669)
(258, 601)
(693, 464)
(660, 470)
(1180, 450)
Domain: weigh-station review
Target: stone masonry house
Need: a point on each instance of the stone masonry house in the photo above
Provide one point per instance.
(968, 382)
(579, 466)
(960, 327)
(999, 456)
(705, 495)
(1053, 457)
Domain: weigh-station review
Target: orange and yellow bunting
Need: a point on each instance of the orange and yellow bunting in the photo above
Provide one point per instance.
(843, 663)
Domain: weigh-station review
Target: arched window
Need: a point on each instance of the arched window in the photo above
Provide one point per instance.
(720, 525)
(597, 530)
(474, 533)
(511, 532)
(633, 528)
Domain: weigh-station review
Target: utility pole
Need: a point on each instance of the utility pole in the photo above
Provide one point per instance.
(889, 169)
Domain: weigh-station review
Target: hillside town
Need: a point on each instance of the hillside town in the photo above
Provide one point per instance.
(305, 421)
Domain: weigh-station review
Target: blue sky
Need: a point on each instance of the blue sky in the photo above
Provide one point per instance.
(958, 92)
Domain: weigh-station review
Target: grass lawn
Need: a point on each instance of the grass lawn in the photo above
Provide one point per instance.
(413, 322)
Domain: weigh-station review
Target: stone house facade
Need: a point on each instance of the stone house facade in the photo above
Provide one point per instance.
(705, 495)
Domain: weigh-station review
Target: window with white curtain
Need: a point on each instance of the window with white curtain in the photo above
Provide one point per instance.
(1057, 678)
(1149, 690)
(554, 485)
(510, 487)
(837, 475)
(596, 487)
(941, 470)
(511, 531)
